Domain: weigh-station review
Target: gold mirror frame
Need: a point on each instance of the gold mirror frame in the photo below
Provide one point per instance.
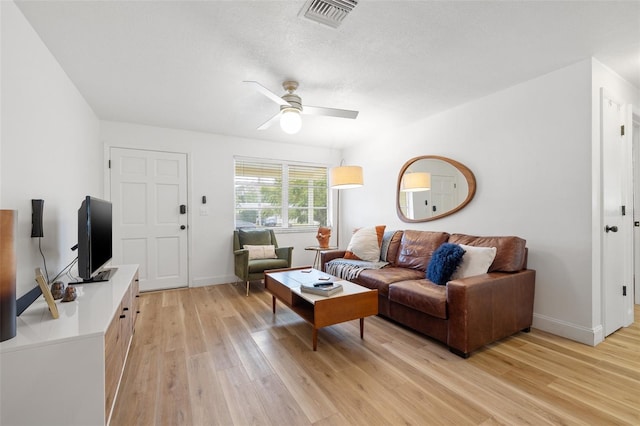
(464, 170)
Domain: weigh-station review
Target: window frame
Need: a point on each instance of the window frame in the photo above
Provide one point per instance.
(285, 188)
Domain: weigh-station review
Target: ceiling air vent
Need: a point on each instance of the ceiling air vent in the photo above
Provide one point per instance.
(328, 12)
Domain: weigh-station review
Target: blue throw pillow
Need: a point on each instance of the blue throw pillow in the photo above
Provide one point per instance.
(444, 262)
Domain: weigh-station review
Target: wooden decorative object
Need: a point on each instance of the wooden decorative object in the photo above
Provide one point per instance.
(53, 308)
(8, 224)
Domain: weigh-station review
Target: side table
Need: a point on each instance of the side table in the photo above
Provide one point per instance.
(318, 250)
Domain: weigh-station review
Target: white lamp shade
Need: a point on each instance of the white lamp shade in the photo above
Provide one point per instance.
(344, 177)
(290, 121)
(415, 182)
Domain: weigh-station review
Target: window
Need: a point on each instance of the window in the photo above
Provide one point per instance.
(279, 194)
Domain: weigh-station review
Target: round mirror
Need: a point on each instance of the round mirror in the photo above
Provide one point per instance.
(431, 187)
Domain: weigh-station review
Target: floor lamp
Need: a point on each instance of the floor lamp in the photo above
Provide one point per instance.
(344, 177)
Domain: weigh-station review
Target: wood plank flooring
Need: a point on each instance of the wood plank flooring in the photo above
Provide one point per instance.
(212, 356)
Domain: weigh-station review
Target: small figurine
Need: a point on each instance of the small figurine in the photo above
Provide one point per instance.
(323, 236)
(69, 294)
(57, 290)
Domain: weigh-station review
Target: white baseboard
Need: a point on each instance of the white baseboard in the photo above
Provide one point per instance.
(588, 336)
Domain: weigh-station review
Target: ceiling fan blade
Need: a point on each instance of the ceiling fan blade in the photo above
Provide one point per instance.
(269, 122)
(268, 93)
(331, 112)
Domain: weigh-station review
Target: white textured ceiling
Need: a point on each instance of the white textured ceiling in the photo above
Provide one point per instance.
(181, 64)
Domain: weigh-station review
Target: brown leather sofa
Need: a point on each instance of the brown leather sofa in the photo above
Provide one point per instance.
(465, 314)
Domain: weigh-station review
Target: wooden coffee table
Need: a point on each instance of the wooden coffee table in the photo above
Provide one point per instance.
(353, 302)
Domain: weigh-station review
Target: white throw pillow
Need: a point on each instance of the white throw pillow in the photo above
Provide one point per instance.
(476, 261)
(365, 244)
(261, 252)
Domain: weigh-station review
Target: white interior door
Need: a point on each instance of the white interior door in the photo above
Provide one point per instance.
(617, 269)
(148, 189)
(636, 205)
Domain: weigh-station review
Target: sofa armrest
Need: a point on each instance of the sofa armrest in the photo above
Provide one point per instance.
(329, 255)
(241, 263)
(285, 253)
(488, 307)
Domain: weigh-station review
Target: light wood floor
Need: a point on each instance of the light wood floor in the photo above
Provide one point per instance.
(210, 355)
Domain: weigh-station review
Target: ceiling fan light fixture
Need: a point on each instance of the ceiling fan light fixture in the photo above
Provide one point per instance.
(290, 121)
(291, 108)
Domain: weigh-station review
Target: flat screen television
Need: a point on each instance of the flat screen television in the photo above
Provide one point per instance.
(94, 239)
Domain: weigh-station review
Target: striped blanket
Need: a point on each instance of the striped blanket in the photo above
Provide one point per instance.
(348, 269)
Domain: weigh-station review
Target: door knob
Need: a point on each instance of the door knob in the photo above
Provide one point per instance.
(611, 228)
(184, 227)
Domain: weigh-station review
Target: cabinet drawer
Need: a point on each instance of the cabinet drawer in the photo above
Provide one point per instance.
(114, 361)
(126, 319)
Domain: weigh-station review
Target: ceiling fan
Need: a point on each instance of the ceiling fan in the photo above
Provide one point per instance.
(291, 107)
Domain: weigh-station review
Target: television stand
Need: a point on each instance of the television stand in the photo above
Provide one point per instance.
(91, 336)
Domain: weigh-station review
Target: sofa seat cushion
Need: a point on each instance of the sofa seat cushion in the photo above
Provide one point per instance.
(259, 265)
(379, 279)
(421, 295)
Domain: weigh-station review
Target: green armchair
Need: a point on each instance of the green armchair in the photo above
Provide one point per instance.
(253, 269)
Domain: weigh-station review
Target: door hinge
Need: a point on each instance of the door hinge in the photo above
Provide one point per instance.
(624, 290)
(624, 210)
(622, 130)
(109, 163)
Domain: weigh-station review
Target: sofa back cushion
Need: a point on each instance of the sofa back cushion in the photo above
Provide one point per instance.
(365, 244)
(416, 248)
(255, 237)
(391, 247)
(510, 255)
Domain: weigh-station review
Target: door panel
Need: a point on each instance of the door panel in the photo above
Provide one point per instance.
(133, 207)
(442, 193)
(170, 267)
(135, 251)
(167, 198)
(148, 188)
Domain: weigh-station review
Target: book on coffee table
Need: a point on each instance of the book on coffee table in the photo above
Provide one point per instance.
(323, 289)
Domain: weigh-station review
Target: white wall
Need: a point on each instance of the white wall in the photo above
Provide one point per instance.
(529, 147)
(50, 147)
(1, 98)
(210, 162)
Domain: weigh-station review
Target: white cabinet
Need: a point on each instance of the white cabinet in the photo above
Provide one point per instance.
(66, 371)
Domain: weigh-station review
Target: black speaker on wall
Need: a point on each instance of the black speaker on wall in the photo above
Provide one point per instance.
(36, 218)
